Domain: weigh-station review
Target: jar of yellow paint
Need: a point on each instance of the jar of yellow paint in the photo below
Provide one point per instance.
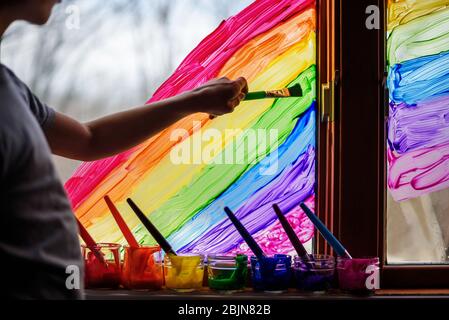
(184, 273)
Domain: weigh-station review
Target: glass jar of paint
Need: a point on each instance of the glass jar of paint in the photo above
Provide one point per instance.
(271, 274)
(314, 272)
(102, 266)
(142, 268)
(184, 273)
(358, 275)
(227, 273)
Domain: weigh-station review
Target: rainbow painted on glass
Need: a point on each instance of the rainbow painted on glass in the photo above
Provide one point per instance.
(273, 44)
(418, 135)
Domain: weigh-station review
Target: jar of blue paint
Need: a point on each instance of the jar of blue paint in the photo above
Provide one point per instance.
(314, 272)
(272, 274)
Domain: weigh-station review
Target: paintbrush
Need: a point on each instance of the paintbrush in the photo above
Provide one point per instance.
(302, 252)
(121, 223)
(333, 241)
(245, 234)
(294, 91)
(151, 228)
(90, 242)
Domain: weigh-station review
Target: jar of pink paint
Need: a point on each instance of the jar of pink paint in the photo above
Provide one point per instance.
(358, 275)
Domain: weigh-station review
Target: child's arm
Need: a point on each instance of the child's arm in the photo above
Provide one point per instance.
(119, 132)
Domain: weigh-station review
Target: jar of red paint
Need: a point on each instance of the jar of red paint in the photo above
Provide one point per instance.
(102, 266)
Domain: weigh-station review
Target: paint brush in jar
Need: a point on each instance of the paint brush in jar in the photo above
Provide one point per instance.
(291, 92)
(302, 252)
(325, 232)
(121, 223)
(151, 228)
(252, 244)
(90, 242)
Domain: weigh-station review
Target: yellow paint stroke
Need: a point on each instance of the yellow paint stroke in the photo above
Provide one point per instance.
(404, 11)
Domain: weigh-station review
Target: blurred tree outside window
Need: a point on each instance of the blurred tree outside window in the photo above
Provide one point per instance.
(121, 53)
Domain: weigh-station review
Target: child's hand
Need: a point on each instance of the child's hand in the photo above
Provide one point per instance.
(220, 96)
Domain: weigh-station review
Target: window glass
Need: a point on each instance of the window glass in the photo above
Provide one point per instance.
(418, 131)
(261, 154)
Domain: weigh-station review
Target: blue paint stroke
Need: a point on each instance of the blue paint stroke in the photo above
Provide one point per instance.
(209, 218)
(419, 79)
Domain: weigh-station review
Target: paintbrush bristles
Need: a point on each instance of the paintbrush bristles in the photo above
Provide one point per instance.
(295, 91)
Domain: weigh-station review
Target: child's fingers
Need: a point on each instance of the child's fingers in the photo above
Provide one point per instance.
(243, 85)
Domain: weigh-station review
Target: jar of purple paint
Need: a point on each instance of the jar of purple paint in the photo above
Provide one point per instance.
(358, 275)
(314, 272)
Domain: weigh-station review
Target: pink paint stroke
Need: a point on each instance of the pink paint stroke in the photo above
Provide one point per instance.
(202, 64)
(419, 172)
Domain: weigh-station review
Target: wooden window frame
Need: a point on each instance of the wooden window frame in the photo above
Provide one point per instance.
(326, 84)
(355, 141)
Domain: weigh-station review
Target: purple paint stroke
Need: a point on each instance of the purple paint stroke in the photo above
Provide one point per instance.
(296, 184)
(423, 125)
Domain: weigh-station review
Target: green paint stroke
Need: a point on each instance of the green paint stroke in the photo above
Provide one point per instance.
(214, 179)
(427, 35)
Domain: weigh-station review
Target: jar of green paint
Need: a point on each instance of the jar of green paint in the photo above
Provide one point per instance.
(227, 273)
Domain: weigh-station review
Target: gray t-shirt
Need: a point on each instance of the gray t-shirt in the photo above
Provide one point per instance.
(38, 232)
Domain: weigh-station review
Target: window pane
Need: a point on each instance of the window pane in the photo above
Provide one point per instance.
(418, 131)
(262, 153)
